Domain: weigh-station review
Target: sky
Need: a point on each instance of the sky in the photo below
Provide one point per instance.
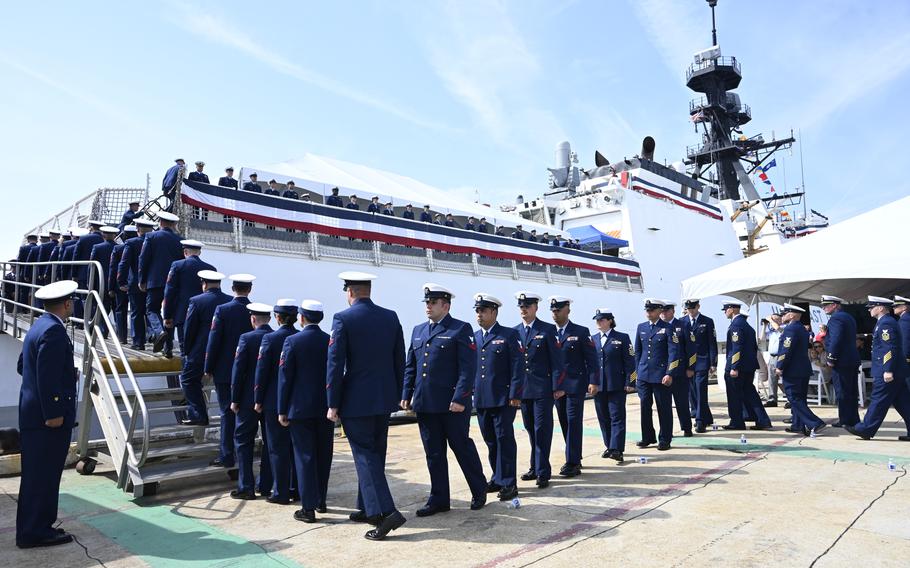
(467, 96)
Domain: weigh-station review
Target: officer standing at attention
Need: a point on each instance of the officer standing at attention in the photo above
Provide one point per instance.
(199, 316)
(249, 421)
(388, 210)
(128, 281)
(265, 397)
(580, 377)
(795, 368)
(543, 372)
(425, 216)
(616, 355)
(290, 192)
(843, 359)
(230, 321)
(364, 379)
(252, 185)
(47, 413)
(129, 214)
(702, 360)
(121, 298)
(739, 375)
(656, 357)
(159, 250)
(471, 225)
(497, 388)
(438, 385)
(408, 212)
(352, 204)
(518, 233)
(182, 284)
(482, 225)
(272, 189)
(302, 409)
(889, 373)
(682, 373)
(374, 207)
(198, 175)
(228, 179)
(333, 200)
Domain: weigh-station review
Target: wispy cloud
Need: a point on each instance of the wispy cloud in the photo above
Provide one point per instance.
(219, 30)
(676, 30)
(104, 107)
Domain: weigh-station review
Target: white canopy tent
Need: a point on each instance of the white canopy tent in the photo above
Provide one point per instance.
(868, 254)
(320, 174)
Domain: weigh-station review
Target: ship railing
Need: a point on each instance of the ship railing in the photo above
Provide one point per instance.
(239, 236)
(711, 64)
(98, 355)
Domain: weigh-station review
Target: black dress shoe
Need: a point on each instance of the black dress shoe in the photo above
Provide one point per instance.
(137, 347)
(191, 422)
(732, 427)
(570, 470)
(168, 353)
(244, 495)
(57, 539)
(644, 443)
(771, 403)
(795, 430)
(507, 493)
(818, 428)
(321, 508)
(606, 454)
(358, 516)
(543, 483)
(477, 503)
(305, 516)
(700, 429)
(529, 475)
(430, 510)
(688, 434)
(493, 487)
(663, 446)
(275, 500)
(218, 462)
(837, 425)
(616, 456)
(294, 496)
(760, 427)
(158, 342)
(787, 406)
(904, 438)
(855, 432)
(389, 523)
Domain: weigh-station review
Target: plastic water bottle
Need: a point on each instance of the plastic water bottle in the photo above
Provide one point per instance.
(514, 504)
(742, 439)
(642, 459)
(891, 465)
(812, 433)
(714, 427)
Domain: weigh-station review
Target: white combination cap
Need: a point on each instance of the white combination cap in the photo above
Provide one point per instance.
(110, 230)
(311, 306)
(484, 300)
(191, 244)
(57, 290)
(244, 278)
(259, 308)
(433, 291)
(165, 216)
(210, 275)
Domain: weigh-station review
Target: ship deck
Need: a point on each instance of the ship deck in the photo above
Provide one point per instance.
(778, 500)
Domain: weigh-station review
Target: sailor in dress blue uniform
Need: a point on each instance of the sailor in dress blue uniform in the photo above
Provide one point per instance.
(129, 214)
(121, 298)
(543, 368)
(656, 357)
(47, 414)
(334, 200)
(795, 368)
(182, 284)
(889, 373)
(199, 175)
(702, 360)
(616, 355)
(902, 313)
(439, 384)
(497, 384)
(228, 180)
(128, 281)
(364, 380)
(199, 316)
(230, 321)
(265, 396)
(253, 184)
(243, 378)
(159, 250)
(843, 359)
(580, 377)
(682, 374)
(739, 374)
(302, 409)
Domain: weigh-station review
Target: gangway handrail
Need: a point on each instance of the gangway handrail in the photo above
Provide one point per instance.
(91, 360)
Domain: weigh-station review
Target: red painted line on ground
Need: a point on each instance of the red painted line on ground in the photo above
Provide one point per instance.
(617, 512)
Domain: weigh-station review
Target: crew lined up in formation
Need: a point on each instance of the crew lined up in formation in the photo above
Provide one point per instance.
(293, 385)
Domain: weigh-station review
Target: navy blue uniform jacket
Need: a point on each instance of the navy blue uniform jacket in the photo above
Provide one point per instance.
(656, 354)
(440, 366)
(301, 374)
(243, 373)
(128, 271)
(365, 372)
(793, 351)
(887, 349)
(159, 250)
(500, 367)
(542, 360)
(196, 328)
(840, 342)
(83, 251)
(617, 360)
(702, 343)
(48, 375)
(265, 392)
(742, 349)
(114, 269)
(231, 320)
(579, 360)
(102, 253)
(182, 284)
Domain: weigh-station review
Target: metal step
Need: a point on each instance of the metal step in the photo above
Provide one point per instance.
(158, 395)
(181, 450)
(178, 469)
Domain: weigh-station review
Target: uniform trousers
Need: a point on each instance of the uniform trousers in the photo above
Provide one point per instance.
(248, 422)
(138, 323)
(570, 412)
(121, 302)
(43, 457)
(228, 423)
(680, 390)
(369, 437)
(279, 455)
(438, 429)
(743, 398)
(313, 440)
(537, 416)
(883, 397)
(698, 399)
(611, 413)
(153, 299)
(661, 395)
(797, 389)
(846, 386)
(496, 426)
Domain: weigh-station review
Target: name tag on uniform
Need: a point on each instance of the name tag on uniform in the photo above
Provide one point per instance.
(616, 342)
(538, 336)
(662, 330)
(498, 341)
(572, 338)
(445, 337)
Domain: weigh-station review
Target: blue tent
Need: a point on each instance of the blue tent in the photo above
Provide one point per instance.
(588, 235)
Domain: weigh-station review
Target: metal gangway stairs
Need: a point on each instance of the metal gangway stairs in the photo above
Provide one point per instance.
(125, 390)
